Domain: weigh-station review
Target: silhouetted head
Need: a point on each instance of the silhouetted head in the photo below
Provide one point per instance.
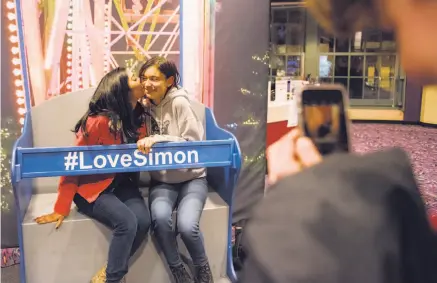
(413, 22)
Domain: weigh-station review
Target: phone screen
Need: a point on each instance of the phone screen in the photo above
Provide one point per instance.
(324, 120)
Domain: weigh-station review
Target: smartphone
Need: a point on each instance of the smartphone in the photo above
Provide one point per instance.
(323, 117)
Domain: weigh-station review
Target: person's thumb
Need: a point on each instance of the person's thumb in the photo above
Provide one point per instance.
(307, 152)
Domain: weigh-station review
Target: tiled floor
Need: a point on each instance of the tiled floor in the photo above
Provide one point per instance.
(419, 142)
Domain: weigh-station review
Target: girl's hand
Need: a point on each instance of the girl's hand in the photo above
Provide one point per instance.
(144, 145)
(145, 102)
(49, 218)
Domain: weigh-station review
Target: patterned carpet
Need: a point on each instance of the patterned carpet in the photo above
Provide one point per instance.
(420, 142)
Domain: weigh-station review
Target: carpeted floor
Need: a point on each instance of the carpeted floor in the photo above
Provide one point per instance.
(419, 142)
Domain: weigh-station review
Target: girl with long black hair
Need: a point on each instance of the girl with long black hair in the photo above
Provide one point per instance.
(114, 116)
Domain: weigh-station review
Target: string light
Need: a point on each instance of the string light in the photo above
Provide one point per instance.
(21, 111)
(77, 60)
(79, 74)
(251, 122)
(15, 50)
(69, 46)
(19, 93)
(106, 38)
(15, 58)
(246, 118)
(12, 27)
(10, 5)
(7, 136)
(9, 133)
(13, 39)
(18, 83)
(248, 159)
(16, 72)
(90, 78)
(11, 16)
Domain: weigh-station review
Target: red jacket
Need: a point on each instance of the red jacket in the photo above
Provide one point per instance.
(89, 186)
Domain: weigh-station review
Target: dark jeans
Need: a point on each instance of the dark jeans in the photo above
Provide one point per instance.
(190, 199)
(125, 212)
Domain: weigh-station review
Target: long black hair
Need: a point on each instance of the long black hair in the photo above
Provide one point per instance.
(165, 66)
(111, 99)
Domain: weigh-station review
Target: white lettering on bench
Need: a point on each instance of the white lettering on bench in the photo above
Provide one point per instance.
(137, 159)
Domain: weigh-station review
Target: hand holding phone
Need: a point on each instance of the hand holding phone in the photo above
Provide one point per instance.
(290, 154)
(323, 117)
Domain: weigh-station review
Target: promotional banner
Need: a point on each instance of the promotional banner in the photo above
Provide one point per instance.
(68, 161)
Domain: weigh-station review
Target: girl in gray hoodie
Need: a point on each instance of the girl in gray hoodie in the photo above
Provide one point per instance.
(173, 120)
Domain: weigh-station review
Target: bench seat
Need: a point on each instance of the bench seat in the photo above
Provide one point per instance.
(79, 248)
(75, 252)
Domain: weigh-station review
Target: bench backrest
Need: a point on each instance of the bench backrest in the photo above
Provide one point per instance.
(53, 121)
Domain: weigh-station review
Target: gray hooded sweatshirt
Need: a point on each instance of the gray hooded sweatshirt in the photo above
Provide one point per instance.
(176, 122)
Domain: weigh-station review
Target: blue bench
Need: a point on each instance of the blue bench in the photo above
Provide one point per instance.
(75, 252)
